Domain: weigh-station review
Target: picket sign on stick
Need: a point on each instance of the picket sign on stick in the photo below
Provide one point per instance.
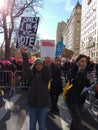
(47, 48)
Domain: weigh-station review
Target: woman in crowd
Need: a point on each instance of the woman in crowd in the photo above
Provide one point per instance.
(77, 76)
(38, 99)
(56, 84)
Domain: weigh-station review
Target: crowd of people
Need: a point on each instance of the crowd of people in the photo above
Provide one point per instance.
(42, 98)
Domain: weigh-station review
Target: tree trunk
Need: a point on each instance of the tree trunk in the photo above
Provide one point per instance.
(6, 38)
(7, 49)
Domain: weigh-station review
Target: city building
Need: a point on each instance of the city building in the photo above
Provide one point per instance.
(71, 33)
(89, 29)
(60, 29)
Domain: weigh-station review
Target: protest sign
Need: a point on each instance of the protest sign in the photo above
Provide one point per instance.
(59, 47)
(48, 48)
(66, 53)
(27, 31)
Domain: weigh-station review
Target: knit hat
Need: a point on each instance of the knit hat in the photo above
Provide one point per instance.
(37, 60)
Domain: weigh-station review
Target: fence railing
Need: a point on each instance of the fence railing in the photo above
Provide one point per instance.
(13, 80)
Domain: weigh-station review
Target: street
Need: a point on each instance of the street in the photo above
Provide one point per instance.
(14, 116)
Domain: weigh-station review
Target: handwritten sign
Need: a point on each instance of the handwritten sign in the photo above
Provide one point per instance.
(27, 31)
(66, 53)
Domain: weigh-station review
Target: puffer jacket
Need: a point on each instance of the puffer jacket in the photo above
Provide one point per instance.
(38, 94)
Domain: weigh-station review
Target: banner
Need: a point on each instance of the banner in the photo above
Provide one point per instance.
(47, 48)
(27, 31)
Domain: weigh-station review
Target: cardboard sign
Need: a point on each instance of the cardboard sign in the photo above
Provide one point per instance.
(47, 48)
(27, 31)
(66, 53)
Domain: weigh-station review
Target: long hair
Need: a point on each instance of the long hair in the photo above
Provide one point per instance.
(79, 57)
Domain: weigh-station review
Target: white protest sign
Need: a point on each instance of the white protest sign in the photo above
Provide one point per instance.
(47, 48)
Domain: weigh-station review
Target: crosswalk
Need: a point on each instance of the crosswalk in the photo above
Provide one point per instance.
(8, 105)
(20, 117)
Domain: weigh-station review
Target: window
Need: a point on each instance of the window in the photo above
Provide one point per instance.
(78, 21)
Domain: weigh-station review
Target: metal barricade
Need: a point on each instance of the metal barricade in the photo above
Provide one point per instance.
(20, 80)
(6, 79)
(13, 80)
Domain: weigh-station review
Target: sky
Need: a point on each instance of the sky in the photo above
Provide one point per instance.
(54, 11)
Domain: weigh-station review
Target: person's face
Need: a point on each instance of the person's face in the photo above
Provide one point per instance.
(82, 62)
(57, 61)
(47, 61)
(39, 66)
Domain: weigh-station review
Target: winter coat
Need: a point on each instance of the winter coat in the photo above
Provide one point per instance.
(79, 80)
(38, 94)
(56, 83)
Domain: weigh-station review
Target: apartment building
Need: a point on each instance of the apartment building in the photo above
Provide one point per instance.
(60, 28)
(72, 31)
(89, 29)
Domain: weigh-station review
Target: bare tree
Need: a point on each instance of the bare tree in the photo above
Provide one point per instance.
(10, 11)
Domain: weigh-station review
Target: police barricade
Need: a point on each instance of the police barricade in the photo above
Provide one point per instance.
(13, 80)
(20, 80)
(6, 79)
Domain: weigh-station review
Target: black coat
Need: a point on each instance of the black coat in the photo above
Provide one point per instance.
(38, 95)
(79, 81)
(56, 83)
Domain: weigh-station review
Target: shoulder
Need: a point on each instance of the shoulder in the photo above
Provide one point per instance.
(46, 68)
(73, 69)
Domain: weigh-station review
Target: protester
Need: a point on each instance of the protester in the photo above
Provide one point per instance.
(96, 86)
(65, 67)
(77, 76)
(56, 85)
(47, 61)
(38, 99)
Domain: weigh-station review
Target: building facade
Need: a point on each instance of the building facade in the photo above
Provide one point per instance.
(72, 31)
(89, 29)
(60, 29)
